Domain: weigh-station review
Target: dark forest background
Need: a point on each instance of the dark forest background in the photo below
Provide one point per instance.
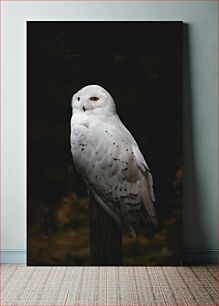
(140, 64)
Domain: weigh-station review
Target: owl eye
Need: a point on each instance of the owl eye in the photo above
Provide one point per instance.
(94, 98)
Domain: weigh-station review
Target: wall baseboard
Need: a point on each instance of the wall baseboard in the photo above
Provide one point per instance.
(12, 256)
(192, 256)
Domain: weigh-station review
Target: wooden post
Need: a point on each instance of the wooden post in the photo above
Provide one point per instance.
(105, 238)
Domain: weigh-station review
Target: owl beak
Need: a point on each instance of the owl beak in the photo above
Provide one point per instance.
(84, 109)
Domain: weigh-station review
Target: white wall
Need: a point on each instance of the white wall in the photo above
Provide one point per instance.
(200, 111)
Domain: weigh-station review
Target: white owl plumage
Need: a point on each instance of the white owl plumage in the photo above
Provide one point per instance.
(109, 159)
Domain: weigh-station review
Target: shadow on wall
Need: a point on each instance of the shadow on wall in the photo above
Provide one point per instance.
(192, 224)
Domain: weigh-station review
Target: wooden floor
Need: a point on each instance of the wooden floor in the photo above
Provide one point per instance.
(23, 285)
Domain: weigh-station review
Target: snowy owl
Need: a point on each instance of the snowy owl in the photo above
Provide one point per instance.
(109, 160)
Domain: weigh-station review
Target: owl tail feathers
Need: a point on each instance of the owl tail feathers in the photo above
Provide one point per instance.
(126, 228)
(131, 232)
(119, 220)
(149, 208)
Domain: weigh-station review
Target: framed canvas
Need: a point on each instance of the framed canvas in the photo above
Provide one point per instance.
(114, 196)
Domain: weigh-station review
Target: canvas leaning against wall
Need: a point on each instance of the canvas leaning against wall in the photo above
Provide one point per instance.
(104, 143)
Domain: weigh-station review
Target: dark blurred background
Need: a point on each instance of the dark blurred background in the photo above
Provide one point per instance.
(140, 64)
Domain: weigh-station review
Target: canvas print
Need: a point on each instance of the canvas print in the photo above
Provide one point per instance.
(104, 143)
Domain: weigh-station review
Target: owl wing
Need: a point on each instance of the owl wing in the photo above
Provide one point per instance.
(138, 176)
(146, 186)
(114, 170)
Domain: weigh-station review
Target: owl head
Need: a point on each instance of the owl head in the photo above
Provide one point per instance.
(93, 100)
